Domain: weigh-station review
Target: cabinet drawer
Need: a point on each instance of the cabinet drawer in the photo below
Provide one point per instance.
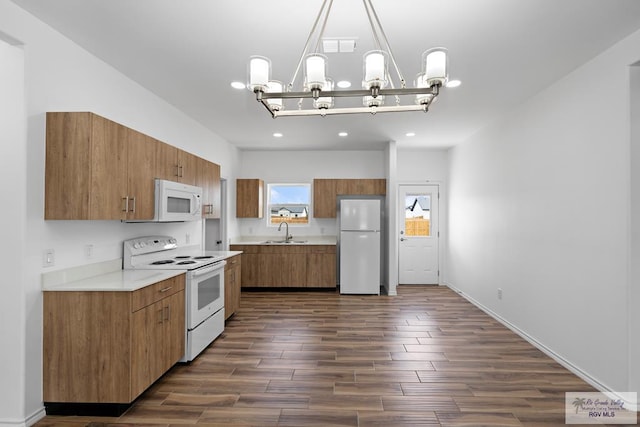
(232, 262)
(152, 293)
(322, 249)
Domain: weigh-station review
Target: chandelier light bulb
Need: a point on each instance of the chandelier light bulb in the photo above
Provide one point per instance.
(421, 82)
(435, 66)
(325, 102)
(370, 101)
(315, 70)
(259, 73)
(375, 69)
(275, 103)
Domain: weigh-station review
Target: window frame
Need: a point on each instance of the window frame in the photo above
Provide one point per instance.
(269, 204)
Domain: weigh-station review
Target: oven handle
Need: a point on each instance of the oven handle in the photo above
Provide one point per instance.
(206, 270)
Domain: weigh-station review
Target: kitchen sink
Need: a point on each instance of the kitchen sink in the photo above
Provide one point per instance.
(279, 242)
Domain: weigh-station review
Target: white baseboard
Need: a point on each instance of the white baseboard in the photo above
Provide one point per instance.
(27, 422)
(546, 350)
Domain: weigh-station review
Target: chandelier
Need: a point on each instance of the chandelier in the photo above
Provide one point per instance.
(377, 84)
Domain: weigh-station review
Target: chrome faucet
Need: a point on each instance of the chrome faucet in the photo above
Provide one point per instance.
(287, 236)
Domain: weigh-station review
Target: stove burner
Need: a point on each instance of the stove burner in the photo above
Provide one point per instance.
(186, 262)
(164, 261)
(183, 257)
(203, 257)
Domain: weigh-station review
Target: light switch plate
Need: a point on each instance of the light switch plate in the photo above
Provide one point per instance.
(48, 258)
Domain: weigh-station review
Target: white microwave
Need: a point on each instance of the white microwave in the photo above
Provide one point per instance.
(176, 202)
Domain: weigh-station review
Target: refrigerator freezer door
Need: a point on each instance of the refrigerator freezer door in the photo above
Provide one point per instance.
(359, 214)
(360, 262)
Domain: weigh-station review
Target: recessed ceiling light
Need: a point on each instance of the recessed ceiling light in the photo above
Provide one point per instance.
(277, 135)
(343, 84)
(343, 134)
(238, 85)
(410, 134)
(453, 83)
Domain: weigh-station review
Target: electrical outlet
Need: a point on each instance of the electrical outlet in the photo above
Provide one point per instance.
(88, 251)
(499, 293)
(48, 258)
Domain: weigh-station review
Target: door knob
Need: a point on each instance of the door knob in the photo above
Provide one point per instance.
(402, 239)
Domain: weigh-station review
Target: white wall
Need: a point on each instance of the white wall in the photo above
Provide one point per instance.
(428, 166)
(60, 76)
(539, 206)
(303, 167)
(634, 260)
(12, 304)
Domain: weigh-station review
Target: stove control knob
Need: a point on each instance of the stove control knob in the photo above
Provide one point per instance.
(172, 241)
(143, 244)
(136, 245)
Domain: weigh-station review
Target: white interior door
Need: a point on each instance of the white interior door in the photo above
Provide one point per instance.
(418, 232)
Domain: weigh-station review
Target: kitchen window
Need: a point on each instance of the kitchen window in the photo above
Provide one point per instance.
(288, 203)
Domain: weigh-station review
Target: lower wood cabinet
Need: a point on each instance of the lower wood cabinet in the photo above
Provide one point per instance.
(281, 266)
(108, 347)
(232, 283)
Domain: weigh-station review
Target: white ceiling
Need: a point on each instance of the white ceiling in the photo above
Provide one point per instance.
(188, 52)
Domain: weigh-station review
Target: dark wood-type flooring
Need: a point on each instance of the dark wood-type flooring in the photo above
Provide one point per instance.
(426, 357)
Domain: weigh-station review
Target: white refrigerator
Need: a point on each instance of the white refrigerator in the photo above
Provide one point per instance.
(360, 239)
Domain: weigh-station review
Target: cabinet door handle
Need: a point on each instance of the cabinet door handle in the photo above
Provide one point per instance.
(166, 289)
(177, 170)
(181, 171)
(161, 318)
(126, 204)
(133, 204)
(167, 313)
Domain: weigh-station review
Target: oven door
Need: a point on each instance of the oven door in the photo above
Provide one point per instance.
(205, 294)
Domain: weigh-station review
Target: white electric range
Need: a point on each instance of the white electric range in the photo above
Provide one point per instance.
(204, 286)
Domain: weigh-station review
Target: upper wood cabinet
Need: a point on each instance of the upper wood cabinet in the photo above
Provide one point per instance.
(176, 165)
(208, 177)
(249, 198)
(97, 169)
(325, 192)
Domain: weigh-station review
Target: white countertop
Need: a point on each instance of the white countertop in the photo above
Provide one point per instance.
(121, 280)
(261, 240)
(103, 276)
(109, 276)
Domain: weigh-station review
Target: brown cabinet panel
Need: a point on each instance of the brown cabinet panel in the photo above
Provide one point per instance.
(325, 192)
(97, 169)
(141, 185)
(249, 198)
(187, 167)
(208, 178)
(67, 175)
(324, 198)
(166, 161)
(173, 308)
(288, 265)
(321, 270)
(232, 283)
(108, 160)
(86, 336)
(98, 349)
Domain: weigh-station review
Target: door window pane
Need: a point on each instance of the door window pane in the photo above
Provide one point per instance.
(417, 215)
